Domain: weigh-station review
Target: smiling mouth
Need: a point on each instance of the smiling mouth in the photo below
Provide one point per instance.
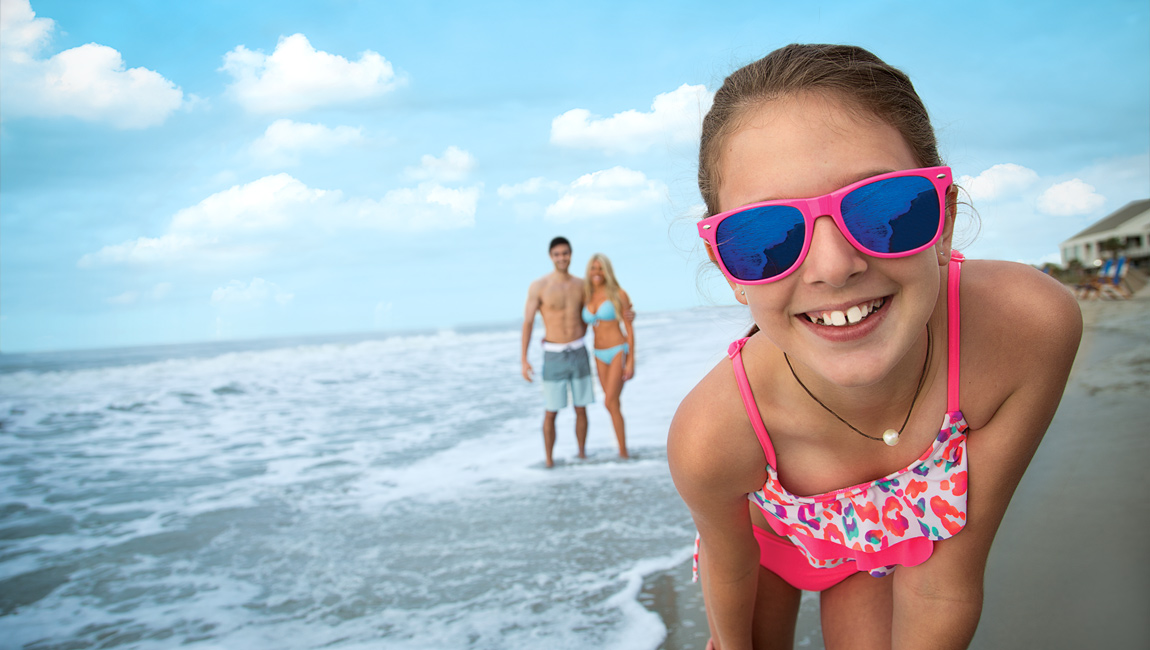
(852, 316)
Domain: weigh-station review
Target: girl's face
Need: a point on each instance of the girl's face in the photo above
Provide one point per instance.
(807, 146)
(595, 274)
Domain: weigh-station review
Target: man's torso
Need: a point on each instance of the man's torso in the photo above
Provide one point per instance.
(561, 304)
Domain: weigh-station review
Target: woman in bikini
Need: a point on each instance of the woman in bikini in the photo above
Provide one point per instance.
(603, 302)
(812, 457)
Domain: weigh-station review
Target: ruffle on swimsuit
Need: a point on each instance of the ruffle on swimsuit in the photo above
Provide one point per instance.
(883, 523)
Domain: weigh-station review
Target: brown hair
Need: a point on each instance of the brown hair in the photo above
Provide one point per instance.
(846, 72)
(558, 241)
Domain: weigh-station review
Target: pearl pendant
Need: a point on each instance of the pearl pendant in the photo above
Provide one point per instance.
(890, 437)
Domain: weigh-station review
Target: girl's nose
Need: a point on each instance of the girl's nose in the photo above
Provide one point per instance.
(831, 259)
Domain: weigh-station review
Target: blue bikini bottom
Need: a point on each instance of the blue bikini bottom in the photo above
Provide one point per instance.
(607, 355)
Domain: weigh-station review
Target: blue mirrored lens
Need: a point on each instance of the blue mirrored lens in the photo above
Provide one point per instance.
(895, 215)
(761, 243)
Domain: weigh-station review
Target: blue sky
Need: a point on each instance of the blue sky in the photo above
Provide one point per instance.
(176, 172)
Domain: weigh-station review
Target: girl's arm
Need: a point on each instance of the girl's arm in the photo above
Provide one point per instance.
(1019, 338)
(629, 329)
(729, 574)
(715, 462)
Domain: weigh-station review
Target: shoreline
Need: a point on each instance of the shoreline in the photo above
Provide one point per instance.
(1069, 567)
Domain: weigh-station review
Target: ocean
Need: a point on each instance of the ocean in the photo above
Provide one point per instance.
(382, 491)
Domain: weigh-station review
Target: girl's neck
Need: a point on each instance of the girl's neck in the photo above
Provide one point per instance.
(878, 406)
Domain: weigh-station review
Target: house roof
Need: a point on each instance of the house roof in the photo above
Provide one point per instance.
(1128, 212)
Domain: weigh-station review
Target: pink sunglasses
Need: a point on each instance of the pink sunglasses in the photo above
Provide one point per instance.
(890, 215)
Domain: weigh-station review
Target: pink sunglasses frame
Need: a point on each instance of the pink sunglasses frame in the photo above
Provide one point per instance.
(830, 205)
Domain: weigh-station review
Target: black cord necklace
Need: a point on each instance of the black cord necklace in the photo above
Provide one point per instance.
(890, 436)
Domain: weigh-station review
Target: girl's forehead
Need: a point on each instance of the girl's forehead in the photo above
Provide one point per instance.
(803, 146)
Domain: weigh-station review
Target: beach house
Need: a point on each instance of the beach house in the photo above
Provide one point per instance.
(1125, 232)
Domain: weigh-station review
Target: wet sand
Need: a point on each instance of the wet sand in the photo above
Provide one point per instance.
(1070, 567)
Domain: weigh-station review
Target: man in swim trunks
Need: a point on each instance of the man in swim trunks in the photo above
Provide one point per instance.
(558, 296)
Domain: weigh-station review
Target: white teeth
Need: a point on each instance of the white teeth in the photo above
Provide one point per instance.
(853, 315)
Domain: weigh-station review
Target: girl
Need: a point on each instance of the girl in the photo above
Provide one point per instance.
(603, 301)
(830, 214)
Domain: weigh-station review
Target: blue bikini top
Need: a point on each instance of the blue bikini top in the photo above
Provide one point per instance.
(606, 312)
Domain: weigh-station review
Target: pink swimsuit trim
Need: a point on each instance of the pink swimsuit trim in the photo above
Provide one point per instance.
(865, 527)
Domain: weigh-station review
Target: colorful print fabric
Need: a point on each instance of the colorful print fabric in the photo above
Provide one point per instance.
(925, 500)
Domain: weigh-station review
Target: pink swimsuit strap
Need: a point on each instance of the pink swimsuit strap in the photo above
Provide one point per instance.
(952, 328)
(752, 409)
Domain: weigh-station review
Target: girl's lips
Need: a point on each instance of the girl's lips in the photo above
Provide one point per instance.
(863, 324)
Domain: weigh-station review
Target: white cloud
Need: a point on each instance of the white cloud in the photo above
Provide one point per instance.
(608, 192)
(157, 292)
(1031, 225)
(250, 220)
(675, 117)
(144, 250)
(1000, 181)
(284, 141)
(281, 202)
(426, 207)
(21, 32)
(254, 293)
(527, 187)
(1074, 197)
(272, 202)
(297, 77)
(454, 166)
(89, 82)
(529, 199)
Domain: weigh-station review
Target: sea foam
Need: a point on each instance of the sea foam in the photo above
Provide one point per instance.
(373, 493)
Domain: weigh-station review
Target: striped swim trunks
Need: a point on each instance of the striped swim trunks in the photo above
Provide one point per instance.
(566, 367)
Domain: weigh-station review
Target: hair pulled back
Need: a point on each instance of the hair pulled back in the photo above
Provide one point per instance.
(846, 72)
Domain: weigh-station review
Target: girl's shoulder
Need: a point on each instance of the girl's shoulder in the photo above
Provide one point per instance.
(1017, 302)
(711, 443)
(1017, 324)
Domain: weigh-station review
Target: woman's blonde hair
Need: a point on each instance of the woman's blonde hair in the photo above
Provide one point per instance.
(609, 283)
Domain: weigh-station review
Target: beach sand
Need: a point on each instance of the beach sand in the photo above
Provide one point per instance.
(1070, 567)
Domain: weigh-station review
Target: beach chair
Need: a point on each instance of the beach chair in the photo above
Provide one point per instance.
(1111, 288)
(1092, 288)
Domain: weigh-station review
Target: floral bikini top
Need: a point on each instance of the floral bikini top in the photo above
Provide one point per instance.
(888, 521)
